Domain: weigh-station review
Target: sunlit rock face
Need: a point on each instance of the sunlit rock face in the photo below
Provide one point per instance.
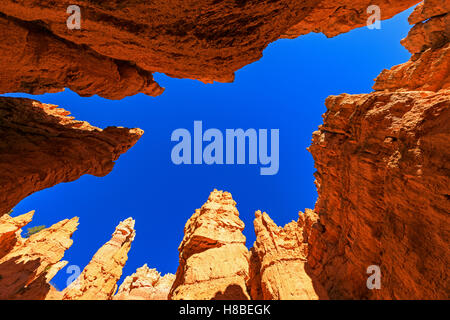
(279, 255)
(28, 264)
(428, 42)
(42, 145)
(121, 43)
(382, 177)
(214, 262)
(382, 164)
(145, 284)
(98, 280)
(381, 158)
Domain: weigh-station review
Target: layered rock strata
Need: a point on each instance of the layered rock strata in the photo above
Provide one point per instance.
(214, 262)
(27, 265)
(42, 145)
(206, 40)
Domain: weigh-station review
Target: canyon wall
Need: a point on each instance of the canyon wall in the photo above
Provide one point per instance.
(120, 44)
(383, 177)
(381, 158)
(42, 146)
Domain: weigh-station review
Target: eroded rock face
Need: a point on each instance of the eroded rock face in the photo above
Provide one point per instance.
(34, 61)
(280, 261)
(145, 284)
(381, 158)
(332, 17)
(29, 264)
(98, 281)
(214, 262)
(42, 146)
(382, 176)
(206, 40)
(9, 227)
(428, 42)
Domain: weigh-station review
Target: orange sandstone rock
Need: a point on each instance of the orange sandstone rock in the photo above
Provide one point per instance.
(427, 9)
(26, 269)
(206, 40)
(282, 254)
(382, 164)
(10, 230)
(433, 33)
(98, 281)
(428, 71)
(428, 41)
(214, 262)
(34, 61)
(332, 17)
(145, 284)
(42, 146)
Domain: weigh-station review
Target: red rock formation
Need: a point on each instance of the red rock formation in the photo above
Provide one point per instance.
(428, 41)
(98, 281)
(381, 159)
(332, 17)
(427, 71)
(9, 227)
(34, 61)
(382, 177)
(29, 264)
(214, 262)
(42, 146)
(281, 255)
(145, 284)
(206, 40)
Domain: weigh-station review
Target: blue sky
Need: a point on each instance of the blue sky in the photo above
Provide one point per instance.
(286, 90)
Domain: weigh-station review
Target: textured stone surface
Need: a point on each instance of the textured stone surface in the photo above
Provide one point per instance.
(332, 17)
(428, 41)
(206, 40)
(31, 263)
(281, 255)
(9, 227)
(429, 71)
(98, 281)
(381, 158)
(42, 146)
(34, 61)
(214, 262)
(382, 164)
(427, 9)
(432, 33)
(145, 284)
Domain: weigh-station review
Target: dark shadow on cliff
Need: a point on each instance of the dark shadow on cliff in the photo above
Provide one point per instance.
(232, 292)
